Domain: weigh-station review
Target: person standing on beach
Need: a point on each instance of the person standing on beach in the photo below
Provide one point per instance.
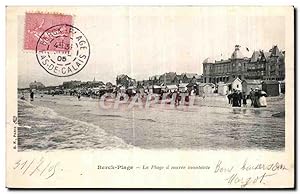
(31, 95)
(240, 98)
(78, 96)
(177, 98)
(229, 96)
(262, 98)
(235, 99)
(244, 99)
(252, 96)
(23, 96)
(256, 103)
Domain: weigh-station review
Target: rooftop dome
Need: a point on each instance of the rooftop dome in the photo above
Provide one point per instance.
(237, 54)
(208, 60)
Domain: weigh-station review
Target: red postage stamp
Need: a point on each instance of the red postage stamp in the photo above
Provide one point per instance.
(62, 50)
(37, 23)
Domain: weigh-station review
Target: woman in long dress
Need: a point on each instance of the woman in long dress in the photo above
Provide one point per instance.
(256, 103)
(244, 99)
(262, 99)
(235, 99)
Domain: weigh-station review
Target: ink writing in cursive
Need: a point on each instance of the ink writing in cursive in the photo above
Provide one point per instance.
(42, 168)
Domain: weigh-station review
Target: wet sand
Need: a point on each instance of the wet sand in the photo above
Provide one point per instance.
(63, 122)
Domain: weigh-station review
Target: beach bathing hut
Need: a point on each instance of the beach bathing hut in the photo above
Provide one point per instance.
(193, 86)
(248, 84)
(156, 89)
(163, 88)
(171, 88)
(95, 89)
(196, 86)
(222, 88)
(147, 89)
(271, 87)
(182, 87)
(206, 88)
(131, 90)
(234, 84)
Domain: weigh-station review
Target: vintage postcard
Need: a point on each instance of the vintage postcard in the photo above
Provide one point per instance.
(150, 97)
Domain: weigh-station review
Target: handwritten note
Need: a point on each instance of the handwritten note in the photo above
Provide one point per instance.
(249, 172)
(33, 167)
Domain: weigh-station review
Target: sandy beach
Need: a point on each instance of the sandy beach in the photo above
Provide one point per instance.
(64, 122)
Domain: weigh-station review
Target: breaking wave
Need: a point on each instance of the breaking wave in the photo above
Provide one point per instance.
(42, 128)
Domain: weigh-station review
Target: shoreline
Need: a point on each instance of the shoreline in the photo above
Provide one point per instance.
(174, 128)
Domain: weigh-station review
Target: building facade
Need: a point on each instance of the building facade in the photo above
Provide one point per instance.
(125, 80)
(172, 78)
(79, 84)
(262, 65)
(169, 78)
(71, 84)
(36, 85)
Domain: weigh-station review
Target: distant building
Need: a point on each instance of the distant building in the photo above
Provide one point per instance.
(145, 83)
(92, 84)
(199, 78)
(169, 78)
(71, 84)
(262, 65)
(109, 85)
(275, 69)
(154, 80)
(125, 80)
(190, 78)
(256, 68)
(36, 85)
(76, 84)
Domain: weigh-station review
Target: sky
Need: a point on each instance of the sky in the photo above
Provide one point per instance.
(142, 42)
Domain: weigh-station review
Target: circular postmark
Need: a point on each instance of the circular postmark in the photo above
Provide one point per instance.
(62, 50)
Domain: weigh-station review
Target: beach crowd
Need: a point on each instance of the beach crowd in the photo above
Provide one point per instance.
(257, 98)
